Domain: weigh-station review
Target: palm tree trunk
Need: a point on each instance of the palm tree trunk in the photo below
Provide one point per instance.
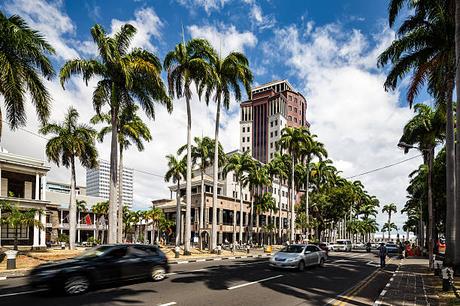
(188, 195)
(72, 206)
(202, 206)
(178, 211)
(241, 213)
(103, 235)
(251, 218)
(120, 198)
(307, 184)
(96, 225)
(215, 177)
(146, 233)
(430, 207)
(15, 247)
(280, 225)
(292, 200)
(112, 231)
(455, 223)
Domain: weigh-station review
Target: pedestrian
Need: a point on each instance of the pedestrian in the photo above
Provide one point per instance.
(383, 252)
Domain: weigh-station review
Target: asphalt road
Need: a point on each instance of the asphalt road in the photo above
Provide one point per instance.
(347, 278)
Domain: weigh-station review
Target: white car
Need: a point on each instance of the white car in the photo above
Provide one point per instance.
(298, 256)
(342, 245)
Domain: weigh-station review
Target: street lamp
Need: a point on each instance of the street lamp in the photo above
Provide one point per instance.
(428, 159)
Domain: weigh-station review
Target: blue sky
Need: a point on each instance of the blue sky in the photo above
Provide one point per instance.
(326, 49)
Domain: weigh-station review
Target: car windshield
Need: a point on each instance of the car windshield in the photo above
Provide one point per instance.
(94, 252)
(292, 249)
(340, 242)
(391, 245)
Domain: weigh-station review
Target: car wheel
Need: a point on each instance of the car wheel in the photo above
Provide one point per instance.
(321, 262)
(158, 273)
(77, 284)
(301, 266)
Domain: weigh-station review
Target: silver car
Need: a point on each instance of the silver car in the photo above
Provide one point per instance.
(298, 256)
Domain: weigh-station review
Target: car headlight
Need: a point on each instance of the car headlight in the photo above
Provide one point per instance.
(293, 259)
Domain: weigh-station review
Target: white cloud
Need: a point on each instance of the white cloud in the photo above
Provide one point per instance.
(224, 39)
(207, 5)
(48, 18)
(148, 25)
(260, 20)
(348, 108)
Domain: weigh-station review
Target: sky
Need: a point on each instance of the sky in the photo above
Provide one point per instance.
(326, 49)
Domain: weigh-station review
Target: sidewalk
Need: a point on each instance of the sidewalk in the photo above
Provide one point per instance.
(411, 284)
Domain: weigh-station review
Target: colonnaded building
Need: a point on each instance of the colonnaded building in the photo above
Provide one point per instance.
(271, 107)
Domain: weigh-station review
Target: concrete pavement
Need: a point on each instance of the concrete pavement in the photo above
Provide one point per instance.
(231, 282)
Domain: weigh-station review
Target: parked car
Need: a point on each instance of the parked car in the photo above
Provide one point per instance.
(298, 256)
(100, 265)
(325, 247)
(342, 245)
(392, 248)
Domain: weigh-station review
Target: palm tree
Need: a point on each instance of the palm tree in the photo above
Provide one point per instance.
(279, 167)
(227, 75)
(154, 215)
(426, 47)
(130, 130)
(240, 164)
(125, 76)
(100, 210)
(389, 209)
(292, 140)
(71, 141)
(24, 60)
(263, 203)
(177, 169)
(426, 130)
(257, 179)
(388, 227)
(17, 218)
(185, 64)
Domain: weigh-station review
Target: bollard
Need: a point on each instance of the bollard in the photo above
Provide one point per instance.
(219, 249)
(11, 259)
(62, 245)
(177, 251)
(247, 249)
(446, 274)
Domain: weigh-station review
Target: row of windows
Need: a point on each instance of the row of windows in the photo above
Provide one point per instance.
(295, 109)
(245, 138)
(246, 129)
(290, 119)
(271, 134)
(246, 149)
(274, 122)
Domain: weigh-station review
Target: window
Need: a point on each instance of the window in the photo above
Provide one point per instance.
(295, 119)
(276, 133)
(271, 134)
(244, 129)
(243, 139)
(290, 107)
(246, 197)
(271, 124)
(290, 118)
(234, 177)
(295, 111)
(290, 98)
(271, 145)
(295, 100)
(248, 129)
(276, 122)
(271, 155)
(247, 139)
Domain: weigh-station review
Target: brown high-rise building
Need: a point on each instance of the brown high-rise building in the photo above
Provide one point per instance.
(271, 107)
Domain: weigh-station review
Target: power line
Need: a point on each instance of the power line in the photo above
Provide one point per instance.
(384, 167)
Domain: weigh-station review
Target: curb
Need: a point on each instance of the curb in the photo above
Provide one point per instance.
(379, 300)
(218, 258)
(12, 276)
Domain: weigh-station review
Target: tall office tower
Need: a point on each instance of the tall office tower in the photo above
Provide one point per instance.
(271, 107)
(98, 182)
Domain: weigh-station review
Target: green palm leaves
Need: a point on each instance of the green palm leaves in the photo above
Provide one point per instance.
(24, 59)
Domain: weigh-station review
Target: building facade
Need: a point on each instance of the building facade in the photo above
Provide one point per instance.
(23, 181)
(98, 182)
(271, 107)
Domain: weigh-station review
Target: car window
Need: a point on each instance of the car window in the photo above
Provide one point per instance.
(117, 252)
(142, 251)
(312, 248)
(292, 249)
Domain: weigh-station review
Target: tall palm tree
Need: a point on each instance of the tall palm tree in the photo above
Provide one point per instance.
(425, 130)
(125, 77)
(186, 64)
(263, 203)
(279, 167)
(388, 227)
(292, 140)
(425, 47)
(240, 164)
(227, 75)
(71, 141)
(100, 210)
(155, 215)
(130, 130)
(389, 209)
(24, 60)
(177, 169)
(17, 218)
(257, 180)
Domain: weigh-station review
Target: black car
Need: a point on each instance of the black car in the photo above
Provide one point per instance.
(101, 265)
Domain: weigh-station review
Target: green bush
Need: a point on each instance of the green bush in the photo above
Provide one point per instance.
(63, 238)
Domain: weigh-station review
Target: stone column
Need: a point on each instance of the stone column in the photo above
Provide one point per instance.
(43, 231)
(78, 229)
(37, 186)
(43, 195)
(62, 221)
(220, 222)
(36, 241)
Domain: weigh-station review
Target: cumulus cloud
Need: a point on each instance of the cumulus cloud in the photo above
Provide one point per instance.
(260, 20)
(47, 17)
(348, 108)
(224, 39)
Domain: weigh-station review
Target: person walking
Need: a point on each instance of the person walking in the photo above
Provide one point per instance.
(383, 252)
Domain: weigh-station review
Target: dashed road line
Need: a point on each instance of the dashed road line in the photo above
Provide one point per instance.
(254, 282)
(168, 304)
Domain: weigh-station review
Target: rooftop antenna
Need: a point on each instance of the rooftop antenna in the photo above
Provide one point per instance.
(183, 35)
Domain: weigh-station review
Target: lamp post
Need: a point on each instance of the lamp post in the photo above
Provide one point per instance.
(428, 159)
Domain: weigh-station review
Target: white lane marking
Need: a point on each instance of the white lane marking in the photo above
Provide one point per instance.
(21, 293)
(172, 273)
(200, 260)
(168, 304)
(2, 277)
(199, 270)
(254, 282)
(182, 262)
